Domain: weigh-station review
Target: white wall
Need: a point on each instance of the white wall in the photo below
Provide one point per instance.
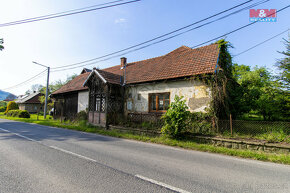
(196, 94)
(83, 100)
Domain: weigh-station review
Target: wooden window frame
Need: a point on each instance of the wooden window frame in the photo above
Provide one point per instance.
(157, 102)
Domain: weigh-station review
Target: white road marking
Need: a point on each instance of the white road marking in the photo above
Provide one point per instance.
(92, 160)
(20, 135)
(53, 147)
(161, 184)
(72, 153)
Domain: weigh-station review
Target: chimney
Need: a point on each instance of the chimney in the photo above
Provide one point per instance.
(123, 61)
(123, 67)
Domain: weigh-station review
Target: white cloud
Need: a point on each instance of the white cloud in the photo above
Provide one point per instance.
(121, 20)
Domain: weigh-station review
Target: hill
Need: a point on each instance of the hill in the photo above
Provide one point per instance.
(4, 95)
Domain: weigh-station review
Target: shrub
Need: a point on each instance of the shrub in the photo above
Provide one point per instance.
(11, 106)
(18, 113)
(82, 115)
(200, 123)
(2, 109)
(175, 118)
(3, 104)
(23, 114)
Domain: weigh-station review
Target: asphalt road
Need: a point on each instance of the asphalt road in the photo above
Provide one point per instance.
(35, 158)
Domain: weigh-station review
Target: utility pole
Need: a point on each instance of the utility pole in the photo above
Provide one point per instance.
(47, 84)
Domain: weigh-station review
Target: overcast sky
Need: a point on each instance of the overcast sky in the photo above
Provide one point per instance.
(76, 38)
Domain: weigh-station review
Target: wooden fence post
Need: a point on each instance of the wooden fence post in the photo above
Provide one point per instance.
(231, 124)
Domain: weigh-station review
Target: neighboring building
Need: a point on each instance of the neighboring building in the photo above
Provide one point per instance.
(72, 97)
(30, 103)
(146, 86)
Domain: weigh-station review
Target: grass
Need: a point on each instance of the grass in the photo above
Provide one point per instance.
(185, 143)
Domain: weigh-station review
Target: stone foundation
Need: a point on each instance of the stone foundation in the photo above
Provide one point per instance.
(239, 144)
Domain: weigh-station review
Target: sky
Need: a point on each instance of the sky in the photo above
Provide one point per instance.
(72, 39)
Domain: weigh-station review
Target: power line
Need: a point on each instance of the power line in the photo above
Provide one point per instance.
(52, 16)
(157, 42)
(161, 36)
(237, 29)
(26, 81)
(233, 31)
(260, 43)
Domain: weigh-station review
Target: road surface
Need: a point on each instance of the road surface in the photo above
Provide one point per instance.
(35, 158)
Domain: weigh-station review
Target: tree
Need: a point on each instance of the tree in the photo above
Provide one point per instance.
(284, 64)
(53, 87)
(1, 44)
(36, 87)
(260, 92)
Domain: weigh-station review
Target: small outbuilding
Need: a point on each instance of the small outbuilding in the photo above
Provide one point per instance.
(72, 97)
(30, 103)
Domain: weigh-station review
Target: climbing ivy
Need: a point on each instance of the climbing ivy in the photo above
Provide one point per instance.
(221, 83)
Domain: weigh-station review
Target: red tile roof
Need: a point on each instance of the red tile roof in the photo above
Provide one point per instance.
(110, 77)
(181, 62)
(75, 84)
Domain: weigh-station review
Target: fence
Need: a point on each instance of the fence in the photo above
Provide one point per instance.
(152, 121)
(144, 117)
(252, 127)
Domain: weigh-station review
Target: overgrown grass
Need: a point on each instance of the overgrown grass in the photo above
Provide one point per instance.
(185, 143)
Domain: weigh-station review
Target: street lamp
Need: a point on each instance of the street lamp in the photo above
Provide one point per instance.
(47, 84)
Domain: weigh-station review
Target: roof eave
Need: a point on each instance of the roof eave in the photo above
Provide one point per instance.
(98, 74)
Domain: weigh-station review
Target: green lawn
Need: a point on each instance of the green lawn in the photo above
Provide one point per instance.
(187, 144)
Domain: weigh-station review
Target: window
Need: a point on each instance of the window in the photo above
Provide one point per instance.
(139, 97)
(100, 103)
(159, 102)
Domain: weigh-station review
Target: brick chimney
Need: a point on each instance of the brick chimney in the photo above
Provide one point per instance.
(123, 64)
(123, 61)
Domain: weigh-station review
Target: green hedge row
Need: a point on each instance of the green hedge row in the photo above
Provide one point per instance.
(18, 113)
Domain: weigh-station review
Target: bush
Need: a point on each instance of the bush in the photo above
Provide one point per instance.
(11, 106)
(175, 118)
(2, 109)
(200, 123)
(18, 113)
(3, 104)
(82, 115)
(24, 114)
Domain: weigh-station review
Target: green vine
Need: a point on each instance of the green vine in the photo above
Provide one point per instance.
(220, 83)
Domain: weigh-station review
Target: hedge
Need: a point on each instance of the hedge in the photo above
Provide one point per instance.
(18, 113)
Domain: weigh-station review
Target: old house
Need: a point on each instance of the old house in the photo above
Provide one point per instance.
(148, 86)
(30, 103)
(72, 97)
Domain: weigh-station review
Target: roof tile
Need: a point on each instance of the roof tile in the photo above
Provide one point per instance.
(181, 62)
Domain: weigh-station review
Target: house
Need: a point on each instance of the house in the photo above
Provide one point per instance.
(72, 97)
(30, 103)
(148, 86)
(144, 87)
